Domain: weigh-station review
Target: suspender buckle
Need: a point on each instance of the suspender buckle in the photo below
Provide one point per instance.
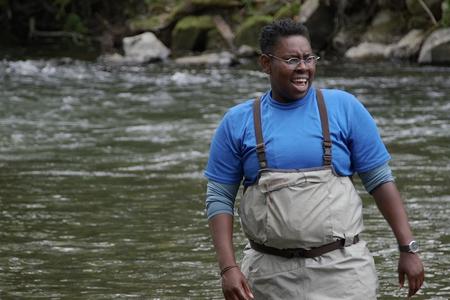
(327, 152)
(260, 148)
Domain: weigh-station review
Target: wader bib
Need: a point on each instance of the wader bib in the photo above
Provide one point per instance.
(303, 228)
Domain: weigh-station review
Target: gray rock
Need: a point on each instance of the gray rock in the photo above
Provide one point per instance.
(320, 18)
(386, 27)
(112, 59)
(436, 48)
(408, 46)
(222, 58)
(143, 48)
(367, 51)
(246, 51)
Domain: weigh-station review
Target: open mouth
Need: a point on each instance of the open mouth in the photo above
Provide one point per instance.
(301, 82)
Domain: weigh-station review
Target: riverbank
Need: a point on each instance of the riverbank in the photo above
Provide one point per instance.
(369, 30)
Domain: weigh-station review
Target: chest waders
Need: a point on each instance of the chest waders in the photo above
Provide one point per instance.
(303, 227)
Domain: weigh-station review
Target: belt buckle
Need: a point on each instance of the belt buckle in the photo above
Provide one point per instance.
(348, 241)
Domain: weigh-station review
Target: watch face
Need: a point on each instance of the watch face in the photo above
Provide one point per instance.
(413, 247)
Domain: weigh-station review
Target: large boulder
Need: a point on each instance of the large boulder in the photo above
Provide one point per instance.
(248, 32)
(423, 16)
(386, 27)
(320, 18)
(143, 48)
(191, 34)
(409, 46)
(415, 8)
(436, 48)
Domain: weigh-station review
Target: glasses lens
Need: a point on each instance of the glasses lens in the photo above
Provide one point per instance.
(293, 61)
(311, 60)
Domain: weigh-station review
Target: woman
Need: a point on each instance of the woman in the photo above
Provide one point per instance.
(295, 149)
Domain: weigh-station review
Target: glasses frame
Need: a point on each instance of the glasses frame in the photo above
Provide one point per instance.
(292, 64)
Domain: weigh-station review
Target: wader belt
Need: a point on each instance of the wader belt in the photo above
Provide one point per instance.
(260, 149)
(299, 252)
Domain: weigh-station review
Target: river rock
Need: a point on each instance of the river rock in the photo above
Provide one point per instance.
(367, 51)
(248, 32)
(386, 27)
(246, 51)
(408, 46)
(222, 58)
(436, 48)
(112, 59)
(143, 48)
(415, 8)
(190, 33)
(320, 18)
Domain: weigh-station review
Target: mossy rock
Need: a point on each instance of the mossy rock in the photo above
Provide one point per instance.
(146, 23)
(195, 7)
(215, 41)
(445, 21)
(248, 32)
(215, 3)
(289, 10)
(191, 34)
(419, 22)
(74, 23)
(387, 27)
(415, 8)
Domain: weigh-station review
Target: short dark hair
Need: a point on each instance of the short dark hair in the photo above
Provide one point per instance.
(280, 28)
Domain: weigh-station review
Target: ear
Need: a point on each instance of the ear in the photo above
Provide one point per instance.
(264, 61)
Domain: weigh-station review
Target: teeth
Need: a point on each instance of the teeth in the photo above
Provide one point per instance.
(300, 80)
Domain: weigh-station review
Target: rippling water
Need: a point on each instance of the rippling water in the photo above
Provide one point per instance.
(101, 187)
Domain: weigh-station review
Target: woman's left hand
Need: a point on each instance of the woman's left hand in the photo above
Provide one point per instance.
(410, 265)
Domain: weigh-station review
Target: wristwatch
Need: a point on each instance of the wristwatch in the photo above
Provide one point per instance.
(412, 247)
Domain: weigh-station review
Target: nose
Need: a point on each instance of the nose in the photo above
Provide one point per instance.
(301, 64)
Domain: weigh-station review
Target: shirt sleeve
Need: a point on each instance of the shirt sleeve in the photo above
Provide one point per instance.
(220, 198)
(376, 177)
(366, 146)
(224, 162)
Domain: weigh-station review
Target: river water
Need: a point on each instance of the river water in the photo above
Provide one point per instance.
(101, 185)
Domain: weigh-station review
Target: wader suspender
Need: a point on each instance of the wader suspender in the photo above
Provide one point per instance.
(260, 149)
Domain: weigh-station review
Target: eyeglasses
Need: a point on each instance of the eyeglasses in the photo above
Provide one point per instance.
(293, 62)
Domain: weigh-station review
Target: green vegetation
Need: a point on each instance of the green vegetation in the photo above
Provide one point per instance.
(190, 33)
(445, 21)
(248, 32)
(187, 25)
(289, 10)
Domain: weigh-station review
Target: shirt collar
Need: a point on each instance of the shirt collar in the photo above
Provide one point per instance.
(291, 105)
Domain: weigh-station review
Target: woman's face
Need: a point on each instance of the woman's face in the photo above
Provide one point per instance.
(289, 82)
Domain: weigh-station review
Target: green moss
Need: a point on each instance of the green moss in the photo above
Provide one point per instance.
(215, 42)
(145, 23)
(201, 22)
(74, 23)
(289, 10)
(4, 3)
(221, 3)
(191, 33)
(445, 21)
(248, 32)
